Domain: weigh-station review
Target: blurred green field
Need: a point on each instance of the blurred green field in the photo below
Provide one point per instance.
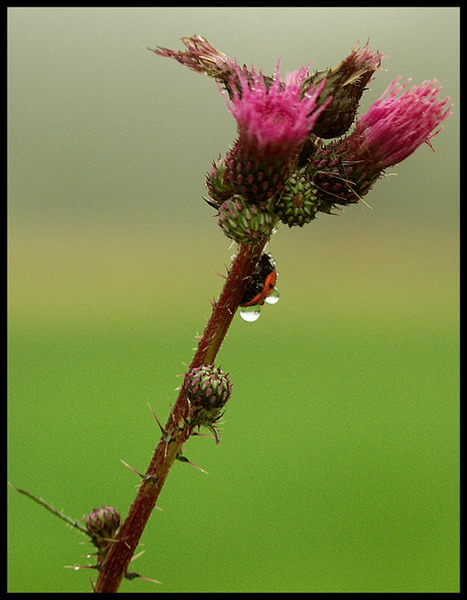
(338, 467)
(337, 471)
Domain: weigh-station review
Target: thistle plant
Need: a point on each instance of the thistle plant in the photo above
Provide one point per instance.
(300, 150)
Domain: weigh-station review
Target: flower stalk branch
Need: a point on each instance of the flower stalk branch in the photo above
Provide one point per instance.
(176, 432)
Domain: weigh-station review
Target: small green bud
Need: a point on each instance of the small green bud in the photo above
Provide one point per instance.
(244, 222)
(103, 522)
(298, 204)
(218, 189)
(208, 388)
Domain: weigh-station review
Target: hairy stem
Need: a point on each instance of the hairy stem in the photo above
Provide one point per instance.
(176, 433)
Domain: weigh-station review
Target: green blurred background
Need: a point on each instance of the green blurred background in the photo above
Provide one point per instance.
(338, 466)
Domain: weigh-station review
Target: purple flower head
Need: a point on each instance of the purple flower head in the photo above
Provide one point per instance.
(397, 124)
(273, 119)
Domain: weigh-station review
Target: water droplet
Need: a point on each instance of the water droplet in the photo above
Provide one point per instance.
(273, 297)
(250, 313)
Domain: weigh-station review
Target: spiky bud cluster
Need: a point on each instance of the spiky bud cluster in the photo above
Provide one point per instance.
(103, 523)
(280, 166)
(300, 201)
(244, 222)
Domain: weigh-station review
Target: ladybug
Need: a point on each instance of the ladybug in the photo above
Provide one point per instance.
(261, 283)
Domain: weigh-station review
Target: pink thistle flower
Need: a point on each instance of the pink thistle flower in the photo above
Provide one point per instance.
(274, 118)
(396, 125)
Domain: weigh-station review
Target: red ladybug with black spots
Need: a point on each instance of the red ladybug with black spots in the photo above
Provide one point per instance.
(261, 283)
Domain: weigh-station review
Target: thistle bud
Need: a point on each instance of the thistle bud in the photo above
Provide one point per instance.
(398, 123)
(103, 522)
(243, 222)
(346, 84)
(218, 189)
(299, 201)
(208, 386)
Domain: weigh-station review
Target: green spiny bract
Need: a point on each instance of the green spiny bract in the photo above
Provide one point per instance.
(255, 179)
(339, 179)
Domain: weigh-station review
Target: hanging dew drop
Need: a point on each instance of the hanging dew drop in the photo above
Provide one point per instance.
(273, 297)
(250, 313)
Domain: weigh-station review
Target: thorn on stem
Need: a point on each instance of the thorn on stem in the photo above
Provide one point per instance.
(205, 435)
(136, 556)
(131, 468)
(132, 576)
(163, 431)
(182, 458)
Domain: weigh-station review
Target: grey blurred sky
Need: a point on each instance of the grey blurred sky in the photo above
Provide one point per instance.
(101, 129)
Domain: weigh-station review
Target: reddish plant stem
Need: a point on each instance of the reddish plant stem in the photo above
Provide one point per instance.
(176, 433)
